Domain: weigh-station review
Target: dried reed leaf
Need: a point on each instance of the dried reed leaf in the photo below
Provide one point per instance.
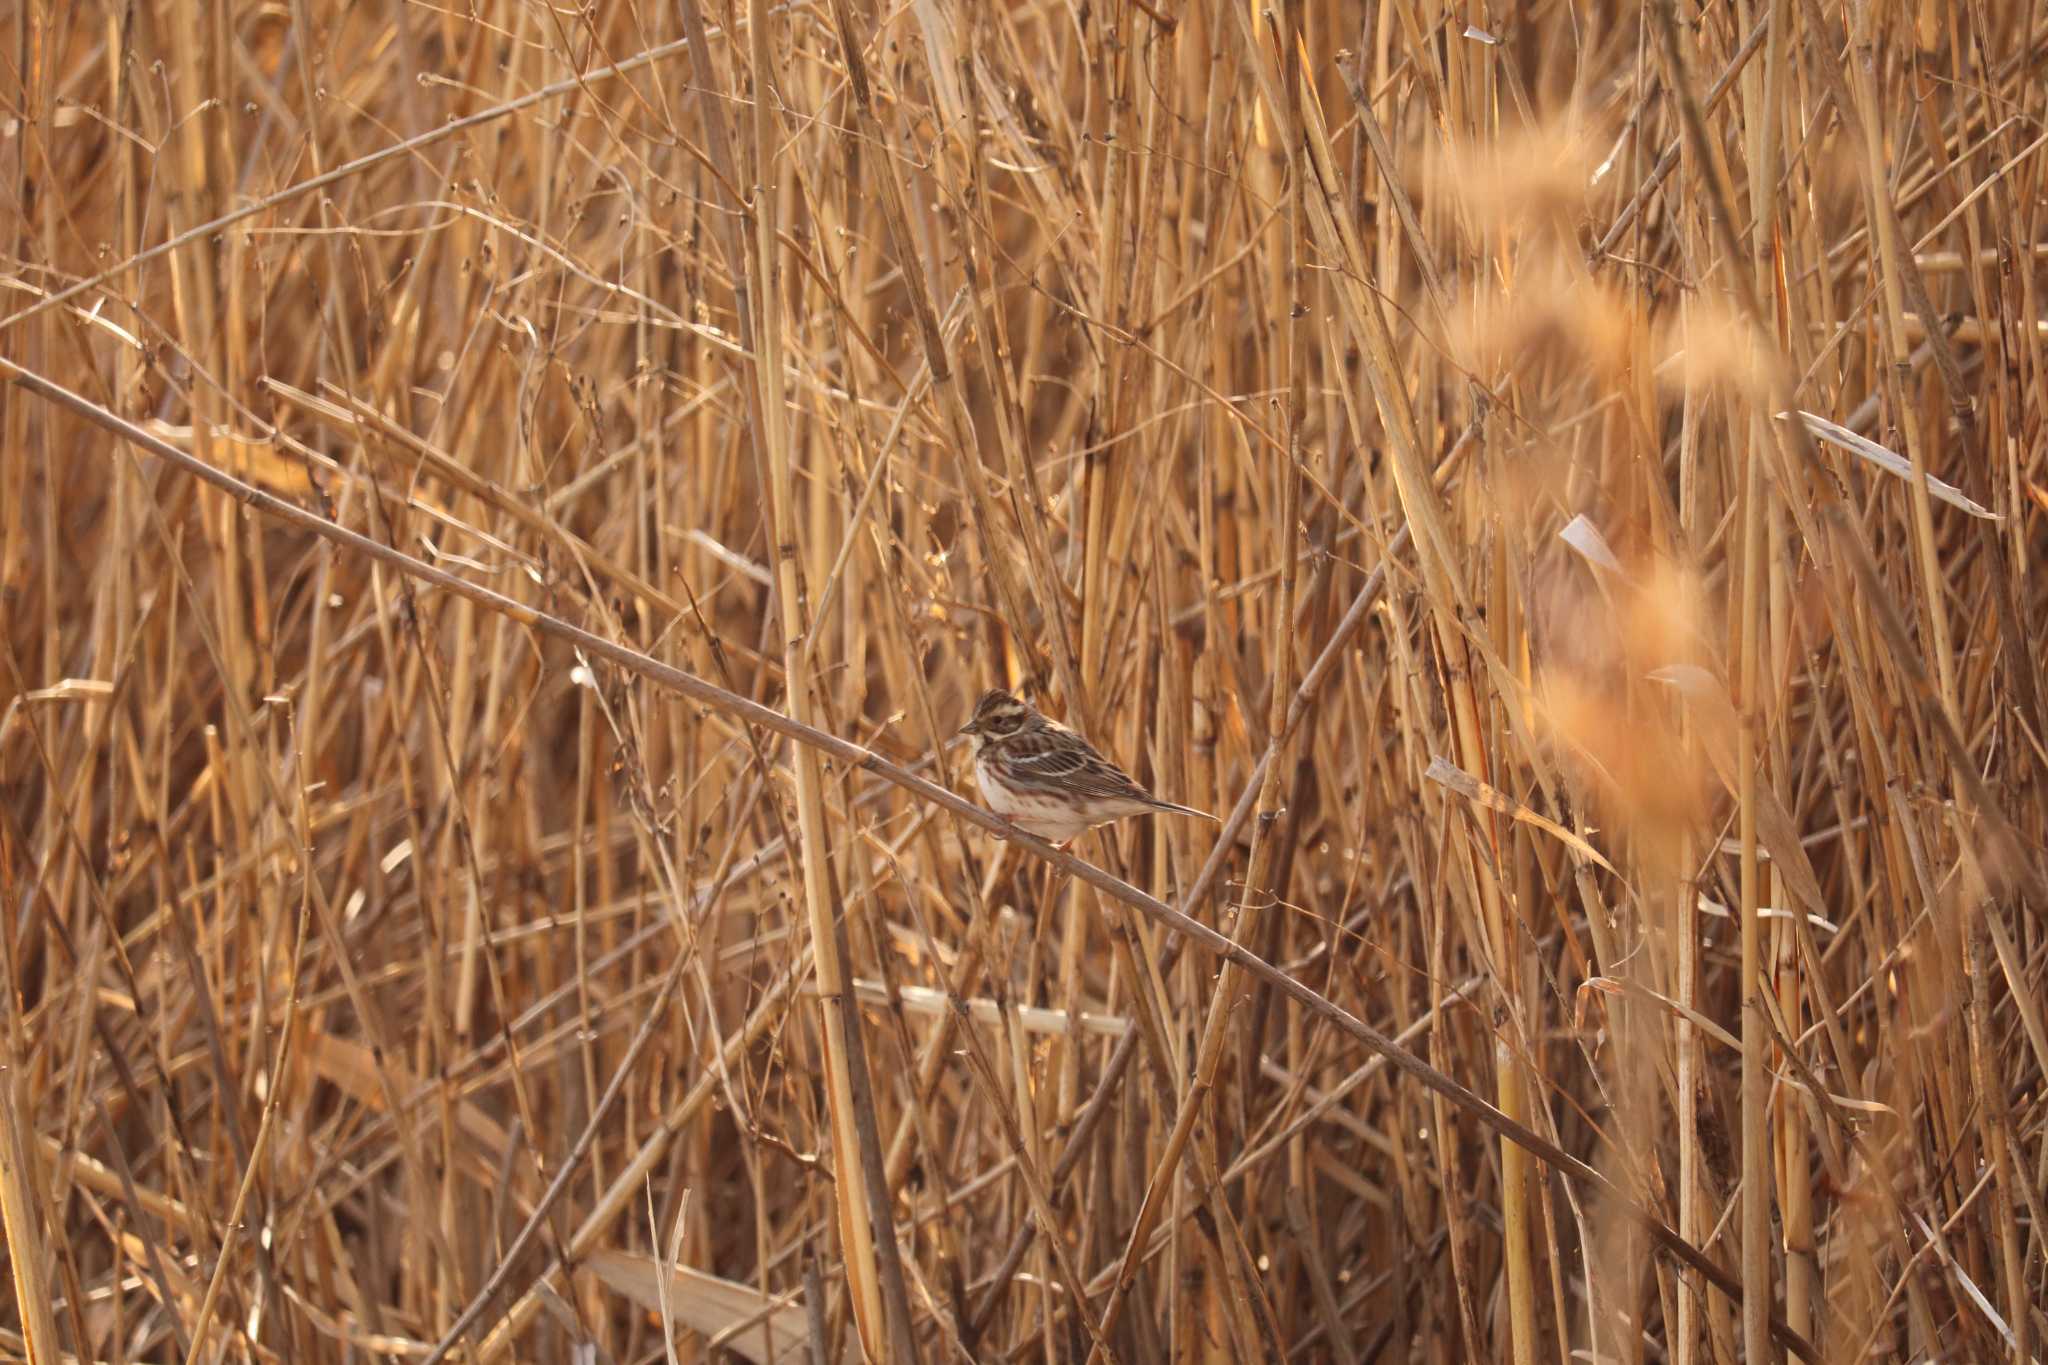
(1583, 536)
(1890, 462)
(734, 1316)
(1445, 773)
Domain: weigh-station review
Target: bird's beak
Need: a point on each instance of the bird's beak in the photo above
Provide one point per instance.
(967, 729)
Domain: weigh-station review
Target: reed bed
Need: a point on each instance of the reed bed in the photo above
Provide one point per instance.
(503, 508)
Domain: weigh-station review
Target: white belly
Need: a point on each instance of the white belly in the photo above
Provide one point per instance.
(1048, 817)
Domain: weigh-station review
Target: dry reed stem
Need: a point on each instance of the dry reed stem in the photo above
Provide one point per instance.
(484, 876)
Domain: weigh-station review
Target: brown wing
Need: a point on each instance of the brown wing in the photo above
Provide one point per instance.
(1060, 758)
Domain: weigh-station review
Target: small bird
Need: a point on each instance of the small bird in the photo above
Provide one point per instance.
(1047, 780)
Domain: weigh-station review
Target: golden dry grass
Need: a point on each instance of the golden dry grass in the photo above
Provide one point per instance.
(437, 924)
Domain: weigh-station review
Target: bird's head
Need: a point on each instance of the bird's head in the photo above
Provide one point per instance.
(998, 715)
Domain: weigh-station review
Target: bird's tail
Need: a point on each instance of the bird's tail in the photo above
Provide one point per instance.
(1184, 810)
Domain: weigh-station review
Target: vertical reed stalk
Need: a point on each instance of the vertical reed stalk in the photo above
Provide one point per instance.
(792, 609)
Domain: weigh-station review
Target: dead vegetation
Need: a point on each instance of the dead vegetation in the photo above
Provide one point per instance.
(439, 927)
